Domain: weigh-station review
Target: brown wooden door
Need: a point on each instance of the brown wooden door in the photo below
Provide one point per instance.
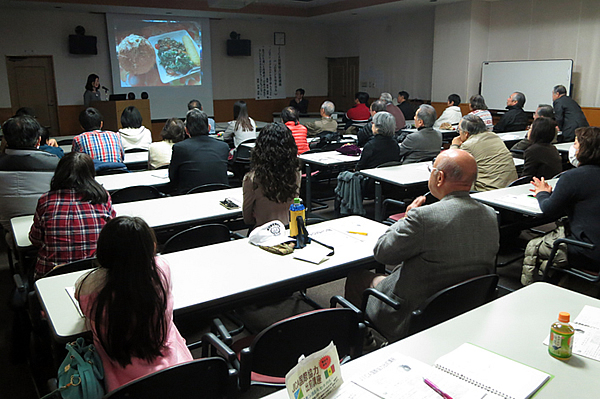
(31, 84)
(342, 83)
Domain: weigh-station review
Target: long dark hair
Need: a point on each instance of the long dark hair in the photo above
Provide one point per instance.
(129, 310)
(90, 82)
(240, 114)
(275, 162)
(75, 171)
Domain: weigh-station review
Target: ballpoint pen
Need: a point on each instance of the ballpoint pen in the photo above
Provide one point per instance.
(435, 388)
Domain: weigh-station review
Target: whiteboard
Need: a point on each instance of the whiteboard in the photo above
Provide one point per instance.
(535, 79)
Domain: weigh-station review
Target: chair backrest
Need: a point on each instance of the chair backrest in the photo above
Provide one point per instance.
(198, 236)
(520, 181)
(83, 264)
(277, 348)
(135, 193)
(130, 150)
(206, 378)
(242, 152)
(453, 301)
(209, 187)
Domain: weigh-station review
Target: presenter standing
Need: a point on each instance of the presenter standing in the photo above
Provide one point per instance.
(92, 90)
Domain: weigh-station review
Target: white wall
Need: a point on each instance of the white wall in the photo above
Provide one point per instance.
(28, 32)
(395, 52)
(467, 33)
(305, 57)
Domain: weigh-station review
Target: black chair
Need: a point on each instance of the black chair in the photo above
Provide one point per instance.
(135, 193)
(240, 163)
(130, 150)
(208, 378)
(520, 181)
(64, 142)
(275, 350)
(198, 236)
(78, 265)
(209, 187)
(573, 270)
(443, 305)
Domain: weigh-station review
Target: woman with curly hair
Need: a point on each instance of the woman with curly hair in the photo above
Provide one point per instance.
(274, 179)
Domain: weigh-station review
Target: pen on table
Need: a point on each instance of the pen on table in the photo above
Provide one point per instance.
(435, 388)
(362, 233)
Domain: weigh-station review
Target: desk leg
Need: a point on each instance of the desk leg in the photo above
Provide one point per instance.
(378, 201)
(308, 204)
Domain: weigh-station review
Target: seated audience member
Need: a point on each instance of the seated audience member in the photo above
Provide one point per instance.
(289, 116)
(480, 109)
(452, 114)
(382, 148)
(541, 157)
(576, 195)
(20, 189)
(69, 217)
(515, 119)
(211, 122)
(360, 111)
(242, 127)
(365, 133)
(569, 115)
(299, 102)
(327, 122)
(200, 159)
(159, 153)
(424, 144)
(49, 145)
(435, 246)
(495, 165)
(543, 110)
(133, 134)
(101, 145)
(406, 107)
(128, 304)
(274, 180)
(394, 110)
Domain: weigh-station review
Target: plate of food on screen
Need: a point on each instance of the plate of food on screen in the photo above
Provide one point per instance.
(177, 55)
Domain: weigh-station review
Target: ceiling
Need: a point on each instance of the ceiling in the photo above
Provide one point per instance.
(317, 10)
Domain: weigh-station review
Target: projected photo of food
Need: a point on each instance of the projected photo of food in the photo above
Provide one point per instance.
(160, 54)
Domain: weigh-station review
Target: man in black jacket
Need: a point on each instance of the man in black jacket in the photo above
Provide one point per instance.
(200, 159)
(515, 119)
(568, 113)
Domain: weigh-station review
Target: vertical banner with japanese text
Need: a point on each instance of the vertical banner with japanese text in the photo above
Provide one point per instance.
(269, 71)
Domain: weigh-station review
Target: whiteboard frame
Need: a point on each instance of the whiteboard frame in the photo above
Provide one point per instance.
(534, 78)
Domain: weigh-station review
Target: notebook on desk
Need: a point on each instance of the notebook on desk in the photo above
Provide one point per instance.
(496, 374)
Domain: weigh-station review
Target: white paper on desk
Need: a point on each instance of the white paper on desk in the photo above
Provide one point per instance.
(589, 316)
(313, 253)
(336, 238)
(401, 377)
(523, 199)
(71, 293)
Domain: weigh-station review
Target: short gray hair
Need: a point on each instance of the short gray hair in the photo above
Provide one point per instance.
(427, 114)
(519, 98)
(385, 123)
(387, 97)
(472, 124)
(328, 107)
(560, 90)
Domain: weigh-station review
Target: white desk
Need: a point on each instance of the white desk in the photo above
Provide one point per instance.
(513, 136)
(518, 199)
(247, 273)
(563, 147)
(323, 159)
(514, 326)
(158, 213)
(447, 135)
(414, 175)
(156, 178)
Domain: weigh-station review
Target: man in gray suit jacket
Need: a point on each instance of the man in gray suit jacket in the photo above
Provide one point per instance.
(424, 144)
(435, 246)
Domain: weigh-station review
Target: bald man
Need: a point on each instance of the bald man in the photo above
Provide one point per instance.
(434, 246)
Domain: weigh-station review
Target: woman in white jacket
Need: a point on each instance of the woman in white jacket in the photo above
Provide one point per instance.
(133, 134)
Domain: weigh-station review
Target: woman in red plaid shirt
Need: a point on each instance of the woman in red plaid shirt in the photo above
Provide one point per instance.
(69, 217)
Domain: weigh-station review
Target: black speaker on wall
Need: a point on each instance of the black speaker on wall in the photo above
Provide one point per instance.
(239, 47)
(82, 44)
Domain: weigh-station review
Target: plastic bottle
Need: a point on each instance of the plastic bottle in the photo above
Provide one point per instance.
(296, 209)
(561, 337)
